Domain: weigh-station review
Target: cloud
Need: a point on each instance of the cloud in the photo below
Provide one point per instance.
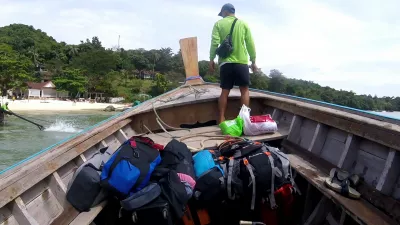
(351, 45)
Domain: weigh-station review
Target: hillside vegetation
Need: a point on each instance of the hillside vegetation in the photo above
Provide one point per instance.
(29, 54)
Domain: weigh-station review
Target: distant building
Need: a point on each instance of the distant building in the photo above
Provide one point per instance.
(43, 90)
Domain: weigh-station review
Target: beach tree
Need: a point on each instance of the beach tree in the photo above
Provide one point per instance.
(14, 69)
(71, 80)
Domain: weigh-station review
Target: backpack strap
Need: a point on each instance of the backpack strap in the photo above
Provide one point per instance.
(271, 195)
(230, 33)
(229, 180)
(253, 180)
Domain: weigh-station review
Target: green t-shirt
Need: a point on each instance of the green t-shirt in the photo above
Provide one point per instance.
(4, 107)
(243, 44)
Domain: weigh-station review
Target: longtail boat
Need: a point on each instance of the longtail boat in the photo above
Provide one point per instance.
(316, 136)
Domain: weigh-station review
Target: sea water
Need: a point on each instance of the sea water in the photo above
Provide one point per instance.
(20, 139)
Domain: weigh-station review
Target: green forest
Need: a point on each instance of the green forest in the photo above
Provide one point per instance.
(29, 54)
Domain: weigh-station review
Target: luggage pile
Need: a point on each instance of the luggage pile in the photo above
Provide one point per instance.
(153, 184)
(248, 125)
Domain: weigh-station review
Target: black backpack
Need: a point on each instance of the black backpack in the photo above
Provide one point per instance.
(226, 47)
(176, 161)
(252, 170)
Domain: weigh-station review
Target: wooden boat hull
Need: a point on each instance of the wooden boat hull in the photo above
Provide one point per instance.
(315, 135)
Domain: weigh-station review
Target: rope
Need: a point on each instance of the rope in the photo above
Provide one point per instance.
(193, 78)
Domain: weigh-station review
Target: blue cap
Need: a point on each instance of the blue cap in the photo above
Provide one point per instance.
(228, 7)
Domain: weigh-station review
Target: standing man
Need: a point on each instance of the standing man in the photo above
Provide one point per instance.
(234, 69)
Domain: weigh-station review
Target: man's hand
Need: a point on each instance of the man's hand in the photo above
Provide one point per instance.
(254, 67)
(212, 66)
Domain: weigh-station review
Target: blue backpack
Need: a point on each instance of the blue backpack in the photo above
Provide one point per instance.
(129, 169)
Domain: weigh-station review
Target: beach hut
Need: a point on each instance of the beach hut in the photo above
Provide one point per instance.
(41, 90)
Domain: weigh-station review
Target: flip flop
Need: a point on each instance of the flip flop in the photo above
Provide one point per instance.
(342, 175)
(342, 186)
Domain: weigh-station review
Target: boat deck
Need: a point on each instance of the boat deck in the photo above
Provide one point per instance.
(195, 140)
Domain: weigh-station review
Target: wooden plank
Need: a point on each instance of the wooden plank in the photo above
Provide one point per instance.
(163, 138)
(13, 188)
(370, 167)
(121, 136)
(385, 133)
(6, 218)
(45, 208)
(294, 129)
(332, 150)
(307, 131)
(85, 218)
(318, 139)
(18, 209)
(58, 188)
(331, 220)
(360, 209)
(320, 212)
(349, 153)
(190, 59)
(276, 114)
(390, 173)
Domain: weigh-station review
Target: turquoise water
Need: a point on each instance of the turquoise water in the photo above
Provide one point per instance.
(20, 139)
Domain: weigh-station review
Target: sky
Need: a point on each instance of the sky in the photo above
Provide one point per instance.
(349, 45)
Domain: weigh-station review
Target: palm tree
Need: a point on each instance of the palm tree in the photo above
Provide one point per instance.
(72, 50)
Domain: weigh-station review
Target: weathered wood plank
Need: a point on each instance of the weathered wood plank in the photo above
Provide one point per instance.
(390, 173)
(320, 212)
(361, 209)
(307, 131)
(318, 139)
(163, 138)
(190, 59)
(332, 150)
(369, 167)
(349, 153)
(387, 134)
(6, 218)
(86, 218)
(294, 129)
(121, 136)
(12, 188)
(58, 188)
(45, 208)
(18, 209)
(276, 114)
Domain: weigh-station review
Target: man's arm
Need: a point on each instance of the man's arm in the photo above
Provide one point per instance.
(215, 40)
(251, 49)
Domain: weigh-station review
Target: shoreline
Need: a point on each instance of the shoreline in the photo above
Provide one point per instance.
(57, 105)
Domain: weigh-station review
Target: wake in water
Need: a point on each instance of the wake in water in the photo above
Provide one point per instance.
(63, 126)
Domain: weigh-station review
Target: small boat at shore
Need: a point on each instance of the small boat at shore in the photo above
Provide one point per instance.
(316, 136)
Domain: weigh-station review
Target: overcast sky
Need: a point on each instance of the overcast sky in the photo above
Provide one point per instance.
(345, 44)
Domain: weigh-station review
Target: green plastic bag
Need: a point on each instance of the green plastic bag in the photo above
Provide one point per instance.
(232, 127)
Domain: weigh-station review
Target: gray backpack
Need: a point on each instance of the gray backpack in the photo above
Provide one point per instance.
(84, 190)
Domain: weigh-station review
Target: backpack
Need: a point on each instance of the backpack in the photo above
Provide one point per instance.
(210, 183)
(255, 168)
(84, 190)
(226, 47)
(175, 175)
(129, 169)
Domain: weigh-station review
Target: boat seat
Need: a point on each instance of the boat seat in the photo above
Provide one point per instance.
(195, 142)
(360, 209)
(85, 218)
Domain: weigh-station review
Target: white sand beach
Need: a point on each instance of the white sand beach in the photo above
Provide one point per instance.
(57, 105)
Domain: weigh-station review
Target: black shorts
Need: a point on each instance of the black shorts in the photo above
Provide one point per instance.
(234, 74)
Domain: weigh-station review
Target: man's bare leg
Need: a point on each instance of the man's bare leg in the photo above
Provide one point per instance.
(245, 96)
(222, 102)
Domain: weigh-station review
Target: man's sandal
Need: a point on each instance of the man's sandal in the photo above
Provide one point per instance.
(343, 183)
